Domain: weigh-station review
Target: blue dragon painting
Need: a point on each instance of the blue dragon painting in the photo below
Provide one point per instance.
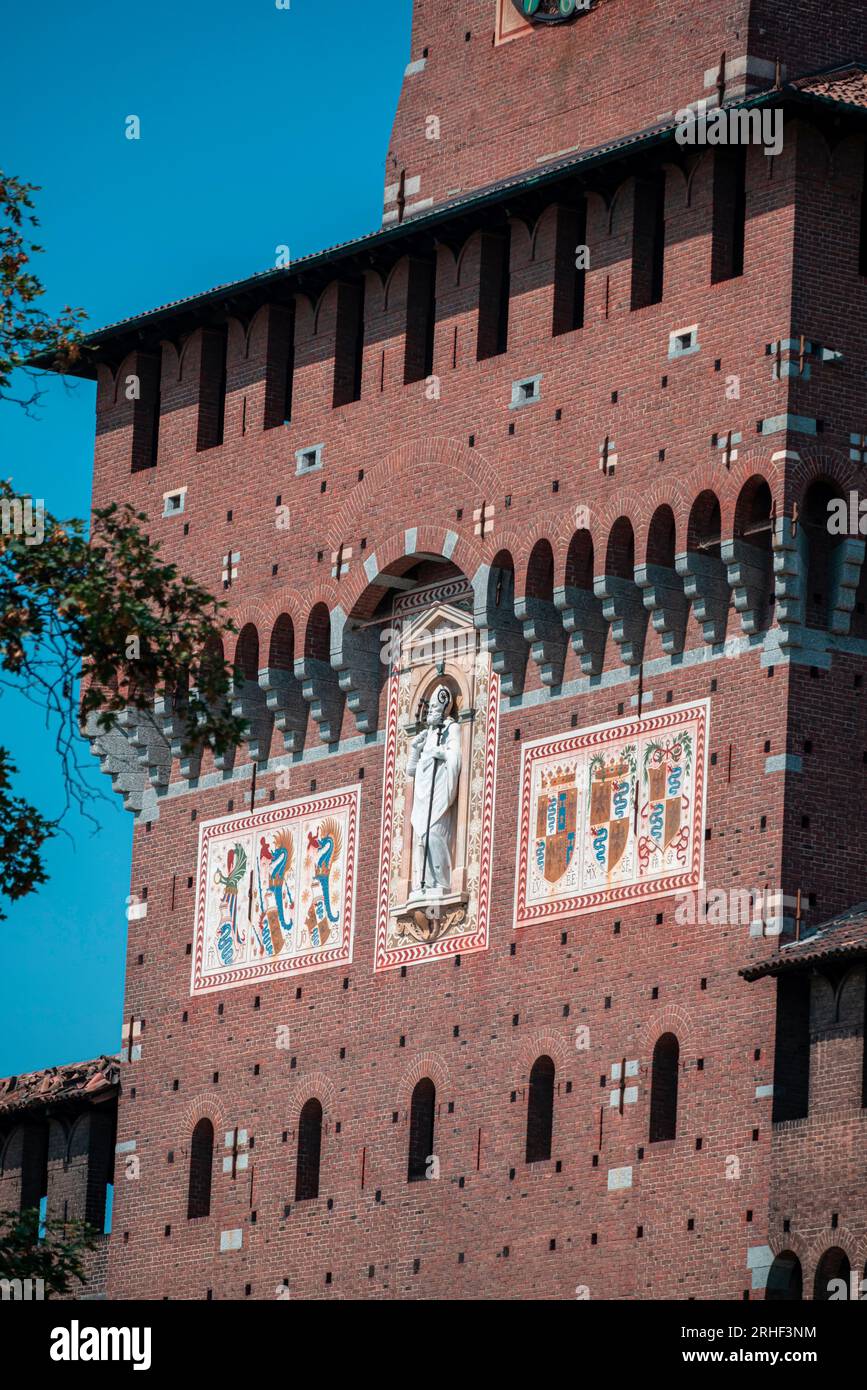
(274, 924)
(327, 845)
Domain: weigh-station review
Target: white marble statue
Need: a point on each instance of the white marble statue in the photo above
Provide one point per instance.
(435, 769)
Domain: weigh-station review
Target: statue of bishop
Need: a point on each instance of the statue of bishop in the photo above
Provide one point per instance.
(435, 768)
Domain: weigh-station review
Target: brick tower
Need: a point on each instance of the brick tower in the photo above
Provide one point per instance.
(513, 954)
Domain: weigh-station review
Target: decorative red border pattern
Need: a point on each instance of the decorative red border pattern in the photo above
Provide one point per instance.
(593, 738)
(477, 939)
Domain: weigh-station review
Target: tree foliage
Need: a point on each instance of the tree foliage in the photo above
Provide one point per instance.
(25, 328)
(97, 605)
(51, 1250)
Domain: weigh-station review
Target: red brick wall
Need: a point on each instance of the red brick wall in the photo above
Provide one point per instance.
(622, 974)
(503, 107)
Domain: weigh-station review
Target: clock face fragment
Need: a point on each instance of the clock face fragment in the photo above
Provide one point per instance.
(551, 11)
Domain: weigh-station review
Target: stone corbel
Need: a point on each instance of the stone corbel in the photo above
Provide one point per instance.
(320, 687)
(747, 568)
(249, 703)
(582, 617)
(791, 567)
(144, 732)
(118, 761)
(844, 573)
(502, 632)
(543, 630)
(706, 587)
(286, 703)
(666, 602)
(356, 657)
(170, 711)
(623, 606)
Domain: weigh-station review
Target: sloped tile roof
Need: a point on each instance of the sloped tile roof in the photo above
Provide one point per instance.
(91, 1082)
(841, 937)
(847, 85)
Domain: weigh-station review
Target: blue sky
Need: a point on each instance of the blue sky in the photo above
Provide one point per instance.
(251, 116)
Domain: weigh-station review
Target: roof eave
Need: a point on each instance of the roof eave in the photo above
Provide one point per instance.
(124, 335)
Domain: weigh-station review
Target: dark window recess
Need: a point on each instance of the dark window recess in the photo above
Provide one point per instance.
(663, 1088)
(146, 414)
(569, 279)
(792, 1048)
(201, 1166)
(648, 241)
(864, 1061)
(421, 1129)
(309, 1151)
(100, 1171)
(494, 288)
(212, 387)
(729, 212)
(862, 238)
(785, 1280)
(540, 1110)
(34, 1165)
(349, 343)
(834, 1264)
(280, 365)
(421, 307)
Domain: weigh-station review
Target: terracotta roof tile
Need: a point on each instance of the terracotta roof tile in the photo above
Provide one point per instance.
(843, 936)
(93, 1081)
(848, 85)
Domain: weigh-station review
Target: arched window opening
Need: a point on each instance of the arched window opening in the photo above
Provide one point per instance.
(540, 1110)
(705, 525)
(821, 519)
(620, 554)
(663, 1088)
(421, 1129)
(662, 538)
(833, 1267)
(309, 1151)
(201, 1165)
(785, 1280)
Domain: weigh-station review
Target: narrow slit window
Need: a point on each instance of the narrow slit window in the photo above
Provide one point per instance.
(421, 1129)
(212, 388)
(280, 366)
(663, 1088)
(146, 414)
(34, 1166)
(349, 343)
(540, 1110)
(309, 1151)
(494, 292)
(420, 321)
(570, 273)
(648, 241)
(862, 238)
(792, 1049)
(201, 1167)
(864, 1058)
(729, 212)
